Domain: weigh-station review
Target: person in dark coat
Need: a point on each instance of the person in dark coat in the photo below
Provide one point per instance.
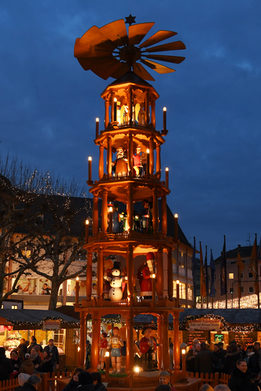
(85, 382)
(15, 361)
(46, 364)
(97, 382)
(36, 359)
(203, 360)
(232, 356)
(5, 365)
(52, 350)
(22, 349)
(218, 358)
(191, 356)
(74, 382)
(240, 378)
(254, 362)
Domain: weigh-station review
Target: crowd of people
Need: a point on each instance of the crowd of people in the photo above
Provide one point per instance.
(243, 365)
(27, 360)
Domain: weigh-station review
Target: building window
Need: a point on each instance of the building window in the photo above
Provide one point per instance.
(14, 307)
(241, 289)
(250, 289)
(250, 275)
(231, 276)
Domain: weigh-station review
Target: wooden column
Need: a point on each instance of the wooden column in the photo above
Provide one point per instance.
(160, 342)
(89, 276)
(109, 156)
(158, 162)
(176, 347)
(155, 217)
(131, 153)
(96, 324)
(151, 156)
(170, 275)
(104, 211)
(164, 221)
(165, 341)
(147, 109)
(159, 281)
(83, 334)
(130, 273)
(107, 115)
(95, 216)
(101, 162)
(100, 275)
(130, 208)
(153, 117)
(111, 104)
(129, 343)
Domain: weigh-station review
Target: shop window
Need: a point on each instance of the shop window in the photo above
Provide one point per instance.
(59, 339)
(250, 289)
(250, 275)
(231, 276)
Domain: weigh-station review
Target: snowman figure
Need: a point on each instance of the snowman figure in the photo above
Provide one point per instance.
(115, 293)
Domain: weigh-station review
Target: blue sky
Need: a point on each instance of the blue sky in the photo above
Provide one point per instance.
(48, 104)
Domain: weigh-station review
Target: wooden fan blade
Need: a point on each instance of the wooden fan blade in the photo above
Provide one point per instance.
(141, 72)
(116, 32)
(93, 43)
(138, 31)
(174, 59)
(103, 66)
(177, 45)
(157, 67)
(157, 37)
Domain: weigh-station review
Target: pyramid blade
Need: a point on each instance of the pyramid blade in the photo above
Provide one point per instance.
(157, 67)
(157, 37)
(103, 66)
(116, 32)
(138, 31)
(141, 72)
(173, 59)
(92, 43)
(177, 45)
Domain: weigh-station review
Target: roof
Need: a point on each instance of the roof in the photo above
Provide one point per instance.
(245, 252)
(33, 319)
(130, 77)
(234, 316)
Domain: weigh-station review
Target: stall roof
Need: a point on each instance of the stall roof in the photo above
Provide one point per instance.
(33, 319)
(233, 316)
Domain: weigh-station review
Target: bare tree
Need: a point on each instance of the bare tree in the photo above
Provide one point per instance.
(41, 226)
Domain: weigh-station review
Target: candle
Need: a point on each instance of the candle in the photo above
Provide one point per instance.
(87, 225)
(176, 217)
(148, 161)
(115, 109)
(167, 177)
(97, 127)
(177, 289)
(77, 288)
(164, 118)
(89, 169)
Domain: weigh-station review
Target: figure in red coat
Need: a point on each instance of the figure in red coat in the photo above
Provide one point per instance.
(144, 276)
(148, 347)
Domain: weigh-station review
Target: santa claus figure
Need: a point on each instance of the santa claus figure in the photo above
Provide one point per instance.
(144, 276)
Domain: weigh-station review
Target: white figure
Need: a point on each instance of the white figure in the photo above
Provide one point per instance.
(115, 293)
